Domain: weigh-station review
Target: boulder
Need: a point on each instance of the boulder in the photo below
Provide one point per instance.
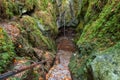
(106, 65)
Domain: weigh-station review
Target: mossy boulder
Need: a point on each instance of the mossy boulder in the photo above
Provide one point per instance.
(43, 10)
(10, 8)
(106, 64)
(102, 65)
(30, 30)
(7, 52)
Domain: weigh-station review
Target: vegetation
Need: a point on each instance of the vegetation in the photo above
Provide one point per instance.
(100, 29)
(28, 28)
(7, 52)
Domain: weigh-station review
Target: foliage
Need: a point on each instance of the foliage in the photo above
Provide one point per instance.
(6, 50)
(78, 61)
(8, 9)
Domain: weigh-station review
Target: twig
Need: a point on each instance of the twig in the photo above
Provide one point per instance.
(11, 73)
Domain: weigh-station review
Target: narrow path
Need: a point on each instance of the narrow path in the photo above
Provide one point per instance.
(60, 70)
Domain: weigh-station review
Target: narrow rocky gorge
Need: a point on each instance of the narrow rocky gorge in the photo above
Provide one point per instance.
(78, 38)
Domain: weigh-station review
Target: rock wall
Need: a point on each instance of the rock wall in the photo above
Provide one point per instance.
(28, 29)
(98, 41)
(67, 12)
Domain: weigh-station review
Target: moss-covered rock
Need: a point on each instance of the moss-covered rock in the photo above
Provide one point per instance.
(6, 50)
(106, 64)
(26, 36)
(8, 9)
(99, 30)
(43, 10)
(31, 27)
(101, 65)
(32, 31)
(46, 16)
(33, 34)
(67, 12)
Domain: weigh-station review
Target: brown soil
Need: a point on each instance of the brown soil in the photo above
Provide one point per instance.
(65, 44)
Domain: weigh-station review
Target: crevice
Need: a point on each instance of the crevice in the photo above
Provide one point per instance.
(28, 12)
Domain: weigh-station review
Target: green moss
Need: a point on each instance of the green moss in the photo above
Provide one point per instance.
(80, 27)
(110, 57)
(101, 28)
(8, 9)
(101, 31)
(11, 8)
(47, 16)
(33, 34)
(6, 50)
(93, 66)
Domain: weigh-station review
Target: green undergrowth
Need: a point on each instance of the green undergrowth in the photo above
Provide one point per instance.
(7, 52)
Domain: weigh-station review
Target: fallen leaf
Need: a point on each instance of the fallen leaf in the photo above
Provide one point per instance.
(20, 46)
(41, 78)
